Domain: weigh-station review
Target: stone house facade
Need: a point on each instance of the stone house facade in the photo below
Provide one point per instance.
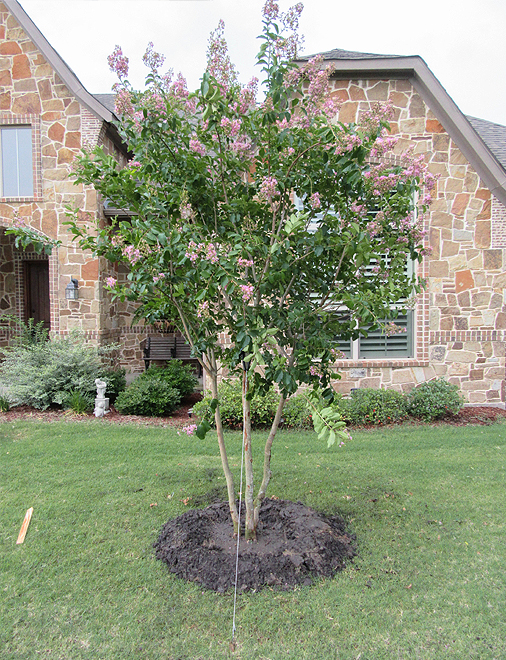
(457, 329)
(46, 116)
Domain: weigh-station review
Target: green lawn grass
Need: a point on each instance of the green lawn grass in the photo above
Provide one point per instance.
(427, 505)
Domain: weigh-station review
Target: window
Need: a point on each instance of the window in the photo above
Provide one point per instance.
(16, 167)
(377, 345)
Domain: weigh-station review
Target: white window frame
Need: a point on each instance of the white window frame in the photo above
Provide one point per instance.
(22, 165)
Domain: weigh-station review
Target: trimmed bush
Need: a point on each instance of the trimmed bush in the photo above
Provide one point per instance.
(151, 397)
(263, 408)
(116, 382)
(370, 406)
(434, 399)
(176, 374)
(42, 373)
(297, 413)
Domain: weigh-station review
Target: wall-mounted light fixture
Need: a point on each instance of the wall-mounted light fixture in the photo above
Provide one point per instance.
(72, 290)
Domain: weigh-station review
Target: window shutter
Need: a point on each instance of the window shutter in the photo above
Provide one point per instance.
(378, 345)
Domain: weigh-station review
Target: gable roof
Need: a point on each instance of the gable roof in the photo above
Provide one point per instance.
(482, 143)
(63, 70)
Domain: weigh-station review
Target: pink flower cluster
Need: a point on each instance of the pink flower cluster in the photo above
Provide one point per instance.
(359, 209)
(207, 252)
(268, 188)
(373, 228)
(317, 97)
(132, 253)
(383, 144)
(247, 291)
(189, 430)
(186, 211)
(152, 59)
(111, 281)
(391, 329)
(197, 147)
(231, 127)
(247, 97)
(244, 262)
(371, 119)
(270, 10)
(314, 201)
(219, 64)
(118, 63)
(122, 101)
(242, 147)
(203, 309)
(347, 143)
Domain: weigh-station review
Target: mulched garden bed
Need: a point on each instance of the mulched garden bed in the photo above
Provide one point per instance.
(180, 416)
(483, 415)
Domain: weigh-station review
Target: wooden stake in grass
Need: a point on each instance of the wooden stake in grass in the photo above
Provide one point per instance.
(24, 526)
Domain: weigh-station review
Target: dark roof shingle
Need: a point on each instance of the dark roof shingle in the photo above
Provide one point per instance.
(107, 100)
(494, 136)
(340, 54)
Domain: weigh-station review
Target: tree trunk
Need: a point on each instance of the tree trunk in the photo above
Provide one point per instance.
(224, 458)
(249, 525)
(267, 460)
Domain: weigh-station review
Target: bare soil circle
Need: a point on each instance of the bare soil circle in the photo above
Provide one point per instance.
(294, 546)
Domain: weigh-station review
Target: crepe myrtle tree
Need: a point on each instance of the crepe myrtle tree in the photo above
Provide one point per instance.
(215, 243)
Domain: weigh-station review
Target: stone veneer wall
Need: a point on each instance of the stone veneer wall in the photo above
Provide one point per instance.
(461, 318)
(31, 93)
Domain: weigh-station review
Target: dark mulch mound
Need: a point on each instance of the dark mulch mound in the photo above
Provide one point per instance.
(295, 545)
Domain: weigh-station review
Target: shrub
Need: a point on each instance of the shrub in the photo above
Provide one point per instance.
(370, 406)
(46, 372)
(176, 374)
(151, 397)
(297, 413)
(434, 399)
(5, 405)
(263, 408)
(116, 382)
(29, 333)
(78, 402)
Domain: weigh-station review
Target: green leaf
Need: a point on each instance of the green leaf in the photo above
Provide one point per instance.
(203, 429)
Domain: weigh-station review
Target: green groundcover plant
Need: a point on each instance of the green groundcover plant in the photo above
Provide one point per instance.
(434, 399)
(370, 406)
(152, 397)
(176, 374)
